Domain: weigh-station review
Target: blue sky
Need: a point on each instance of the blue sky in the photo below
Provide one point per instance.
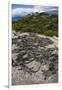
(22, 10)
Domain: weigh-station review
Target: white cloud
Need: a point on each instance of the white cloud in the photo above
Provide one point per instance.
(38, 8)
(45, 8)
(21, 11)
(25, 11)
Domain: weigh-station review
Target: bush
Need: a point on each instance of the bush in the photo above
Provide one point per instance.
(38, 23)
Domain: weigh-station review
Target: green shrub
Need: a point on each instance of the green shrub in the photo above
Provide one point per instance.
(41, 23)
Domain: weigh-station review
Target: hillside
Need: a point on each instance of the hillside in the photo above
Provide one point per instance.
(35, 49)
(42, 23)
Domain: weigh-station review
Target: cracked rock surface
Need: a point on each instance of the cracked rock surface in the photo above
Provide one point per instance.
(34, 58)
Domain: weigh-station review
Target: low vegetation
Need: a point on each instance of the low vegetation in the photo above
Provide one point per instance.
(42, 23)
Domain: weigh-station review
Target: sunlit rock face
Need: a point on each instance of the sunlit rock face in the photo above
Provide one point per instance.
(34, 58)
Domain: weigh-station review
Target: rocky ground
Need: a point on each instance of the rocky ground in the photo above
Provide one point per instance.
(34, 58)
